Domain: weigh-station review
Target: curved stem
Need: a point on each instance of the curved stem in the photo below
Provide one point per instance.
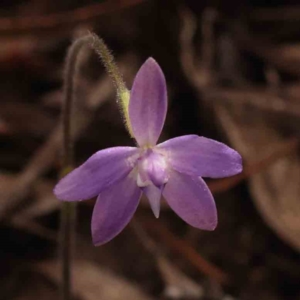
(98, 45)
(68, 93)
(68, 210)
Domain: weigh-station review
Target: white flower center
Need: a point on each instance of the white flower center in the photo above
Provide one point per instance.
(152, 168)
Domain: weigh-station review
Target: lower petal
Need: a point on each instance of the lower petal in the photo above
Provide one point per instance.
(191, 199)
(114, 209)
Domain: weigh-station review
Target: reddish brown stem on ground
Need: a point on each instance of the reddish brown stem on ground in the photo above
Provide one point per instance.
(222, 185)
(52, 21)
(187, 251)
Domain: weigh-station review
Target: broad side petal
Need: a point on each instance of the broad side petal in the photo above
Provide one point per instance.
(148, 103)
(192, 201)
(114, 209)
(101, 170)
(200, 156)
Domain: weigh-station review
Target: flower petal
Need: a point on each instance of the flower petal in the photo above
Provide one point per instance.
(200, 156)
(148, 103)
(101, 170)
(114, 208)
(192, 201)
(154, 195)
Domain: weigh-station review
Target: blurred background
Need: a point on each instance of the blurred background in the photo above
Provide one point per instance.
(232, 69)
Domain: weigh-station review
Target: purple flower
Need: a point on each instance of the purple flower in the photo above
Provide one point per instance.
(119, 175)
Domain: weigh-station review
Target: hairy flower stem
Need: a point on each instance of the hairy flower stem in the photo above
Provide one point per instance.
(68, 210)
(108, 60)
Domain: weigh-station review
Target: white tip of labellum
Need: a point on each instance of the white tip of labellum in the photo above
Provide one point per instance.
(153, 194)
(155, 206)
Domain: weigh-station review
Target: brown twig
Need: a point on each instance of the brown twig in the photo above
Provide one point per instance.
(183, 248)
(23, 25)
(282, 13)
(259, 98)
(171, 274)
(91, 282)
(222, 185)
(274, 55)
(199, 75)
(34, 228)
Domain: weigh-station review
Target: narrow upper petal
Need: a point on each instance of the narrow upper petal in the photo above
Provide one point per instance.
(200, 156)
(148, 103)
(114, 208)
(191, 199)
(101, 170)
(154, 195)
